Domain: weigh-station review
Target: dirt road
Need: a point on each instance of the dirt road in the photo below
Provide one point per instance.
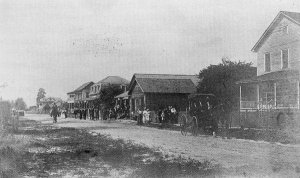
(239, 157)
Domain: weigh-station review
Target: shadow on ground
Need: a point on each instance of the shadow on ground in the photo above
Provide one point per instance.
(56, 152)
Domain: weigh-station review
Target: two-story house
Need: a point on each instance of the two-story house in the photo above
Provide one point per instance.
(80, 96)
(110, 80)
(276, 86)
(96, 88)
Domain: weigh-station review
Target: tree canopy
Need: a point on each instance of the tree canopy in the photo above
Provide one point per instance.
(221, 79)
(41, 94)
(20, 104)
(106, 98)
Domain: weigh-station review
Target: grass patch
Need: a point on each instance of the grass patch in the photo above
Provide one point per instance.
(11, 162)
(58, 152)
(263, 135)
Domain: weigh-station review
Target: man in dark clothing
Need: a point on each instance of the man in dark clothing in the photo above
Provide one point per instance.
(54, 113)
(80, 114)
(140, 117)
(66, 113)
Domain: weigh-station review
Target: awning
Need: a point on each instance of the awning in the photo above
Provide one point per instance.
(273, 76)
(122, 95)
(92, 98)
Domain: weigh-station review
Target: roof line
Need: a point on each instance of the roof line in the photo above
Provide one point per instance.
(139, 85)
(271, 24)
(261, 37)
(289, 17)
(164, 74)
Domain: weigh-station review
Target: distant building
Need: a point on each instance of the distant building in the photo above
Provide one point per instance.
(45, 104)
(110, 80)
(71, 101)
(275, 89)
(155, 91)
(77, 99)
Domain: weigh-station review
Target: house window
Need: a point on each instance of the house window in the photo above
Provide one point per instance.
(284, 58)
(267, 62)
(282, 30)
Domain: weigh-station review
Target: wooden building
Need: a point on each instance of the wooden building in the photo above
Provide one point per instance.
(274, 92)
(110, 80)
(157, 91)
(77, 99)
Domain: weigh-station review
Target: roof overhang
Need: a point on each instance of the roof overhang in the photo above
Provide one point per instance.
(272, 76)
(122, 95)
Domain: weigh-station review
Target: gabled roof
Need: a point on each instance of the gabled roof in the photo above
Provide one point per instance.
(83, 86)
(114, 80)
(165, 83)
(292, 16)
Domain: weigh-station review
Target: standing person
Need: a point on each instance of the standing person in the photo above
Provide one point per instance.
(159, 115)
(168, 114)
(140, 117)
(146, 116)
(163, 116)
(173, 115)
(80, 114)
(54, 112)
(65, 112)
(85, 114)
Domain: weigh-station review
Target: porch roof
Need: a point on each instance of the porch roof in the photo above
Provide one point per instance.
(165, 83)
(272, 76)
(122, 95)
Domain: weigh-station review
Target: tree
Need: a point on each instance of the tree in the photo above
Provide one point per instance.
(106, 98)
(46, 108)
(41, 94)
(20, 104)
(221, 79)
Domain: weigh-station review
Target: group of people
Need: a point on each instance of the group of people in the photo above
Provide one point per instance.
(168, 115)
(143, 116)
(94, 113)
(91, 113)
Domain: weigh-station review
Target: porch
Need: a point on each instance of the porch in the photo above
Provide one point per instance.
(275, 94)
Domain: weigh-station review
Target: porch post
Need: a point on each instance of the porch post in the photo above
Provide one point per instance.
(240, 97)
(145, 101)
(298, 93)
(257, 92)
(275, 95)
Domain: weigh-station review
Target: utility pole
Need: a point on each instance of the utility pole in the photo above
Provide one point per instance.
(1, 112)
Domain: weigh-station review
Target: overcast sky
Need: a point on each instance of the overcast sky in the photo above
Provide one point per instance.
(60, 44)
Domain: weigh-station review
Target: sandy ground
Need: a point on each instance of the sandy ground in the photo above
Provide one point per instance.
(251, 158)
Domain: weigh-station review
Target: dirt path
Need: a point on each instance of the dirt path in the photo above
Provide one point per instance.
(250, 158)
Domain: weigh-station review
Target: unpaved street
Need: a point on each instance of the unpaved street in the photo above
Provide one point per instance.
(239, 157)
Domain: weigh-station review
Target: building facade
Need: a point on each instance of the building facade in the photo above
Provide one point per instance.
(78, 98)
(276, 86)
(158, 91)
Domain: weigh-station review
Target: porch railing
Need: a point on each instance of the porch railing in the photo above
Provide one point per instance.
(266, 105)
(248, 104)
